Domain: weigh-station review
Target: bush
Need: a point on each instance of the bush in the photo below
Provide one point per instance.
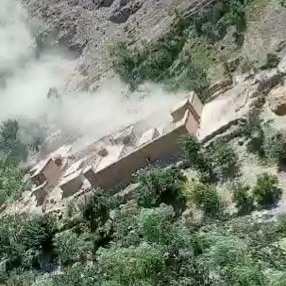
(205, 197)
(196, 157)
(11, 180)
(275, 146)
(10, 144)
(272, 61)
(224, 160)
(225, 251)
(219, 161)
(247, 275)
(157, 226)
(160, 185)
(263, 140)
(253, 131)
(266, 191)
(243, 200)
(72, 247)
(142, 265)
(97, 207)
(80, 275)
(23, 240)
(126, 226)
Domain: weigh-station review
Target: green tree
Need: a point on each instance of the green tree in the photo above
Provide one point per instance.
(205, 197)
(71, 247)
(96, 208)
(275, 146)
(23, 239)
(11, 180)
(157, 226)
(266, 191)
(196, 157)
(160, 185)
(243, 200)
(253, 130)
(224, 160)
(142, 265)
(79, 275)
(10, 144)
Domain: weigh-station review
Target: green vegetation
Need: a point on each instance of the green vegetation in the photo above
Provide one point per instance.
(11, 181)
(264, 141)
(143, 246)
(155, 239)
(243, 200)
(217, 162)
(160, 186)
(224, 160)
(182, 57)
(204, 197)
(10, 145)
(106, 240)
(266, 192)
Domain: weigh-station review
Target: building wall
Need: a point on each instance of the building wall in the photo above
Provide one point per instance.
(121, 171)
(192, 124)
(196, 104)
(72, 186)
(38, 179)
(53, 173)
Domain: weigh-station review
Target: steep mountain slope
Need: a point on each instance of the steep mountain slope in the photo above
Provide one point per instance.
(87, 27)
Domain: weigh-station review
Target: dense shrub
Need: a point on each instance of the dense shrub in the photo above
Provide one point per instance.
(10, 144)
(205, 197)
(225, 251)
(71, 247)
(97, 206)
(160, 185)
(142, 265)
(23, 240)
(157, 227)
(126, 225)
(11, 180)
(253, 131)
(275, 146)
(266, 191)
(272, 61)
(243, 200)
(196, 157)
(263, 140)
(224, 160)
(80, 275)
(219, 161)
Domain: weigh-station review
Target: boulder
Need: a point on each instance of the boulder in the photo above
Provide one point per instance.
(282, 65)
(277, 100)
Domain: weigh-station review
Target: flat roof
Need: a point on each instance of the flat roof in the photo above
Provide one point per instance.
(70, 177)
(114, 152)
(147, 136)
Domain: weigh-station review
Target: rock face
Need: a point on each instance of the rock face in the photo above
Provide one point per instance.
(87, 27)
(277, 100)
(282, 66)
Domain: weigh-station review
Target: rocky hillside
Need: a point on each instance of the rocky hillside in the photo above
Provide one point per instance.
(88, 27)
(242, 37)
(218, 216)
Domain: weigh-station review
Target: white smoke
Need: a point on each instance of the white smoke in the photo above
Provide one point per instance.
(26, 81)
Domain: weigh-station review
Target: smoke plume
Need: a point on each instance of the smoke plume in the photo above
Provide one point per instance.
(25, 80)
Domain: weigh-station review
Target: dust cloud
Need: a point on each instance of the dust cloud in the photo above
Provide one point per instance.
(25, 80)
